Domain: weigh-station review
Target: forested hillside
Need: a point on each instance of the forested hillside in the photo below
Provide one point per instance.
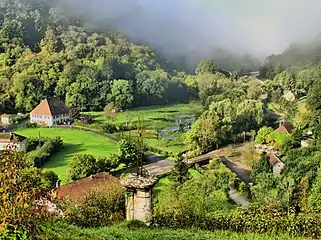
(297, 55)
(45, 54)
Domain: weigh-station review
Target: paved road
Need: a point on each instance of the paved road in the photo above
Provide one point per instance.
(242, 173)
(237, 197)
(157, 165)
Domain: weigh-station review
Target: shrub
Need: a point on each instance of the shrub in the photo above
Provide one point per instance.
(84, 165)
(109, 128)
(31, 125)
(102, 206)
(214, 164)
(86, 119)
(13, 235)
(21, 185)
(129, 153)
(50, 178)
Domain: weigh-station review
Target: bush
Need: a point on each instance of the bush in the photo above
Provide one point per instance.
(129, 153)
(84, 165)
(102, 206)
(21, 185)
(215, 163)
(109, 128)
(31, 125)
(13, 235)
(50, 178)
(86, 119)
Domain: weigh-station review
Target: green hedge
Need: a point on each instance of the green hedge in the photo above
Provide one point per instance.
(262, 220)
(40, 150)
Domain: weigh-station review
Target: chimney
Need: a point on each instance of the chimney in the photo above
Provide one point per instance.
(58, 183)
(282, 121)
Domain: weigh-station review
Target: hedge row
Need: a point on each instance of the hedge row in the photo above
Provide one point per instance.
(43, 150)
(104, 128)
(254, 221)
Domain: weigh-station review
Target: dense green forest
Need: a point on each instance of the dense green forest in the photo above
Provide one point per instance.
(45, 54)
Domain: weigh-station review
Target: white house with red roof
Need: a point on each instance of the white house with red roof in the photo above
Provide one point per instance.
(50, 112)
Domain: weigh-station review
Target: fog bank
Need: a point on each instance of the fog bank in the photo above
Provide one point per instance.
(196, 28)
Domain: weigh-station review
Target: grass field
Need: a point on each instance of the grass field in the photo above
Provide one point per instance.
(75, 142)
(155, 117)
(67, 232)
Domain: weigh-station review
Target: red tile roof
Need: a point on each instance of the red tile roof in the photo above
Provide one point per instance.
(51, 107)
(273, 158)
(81, 187)
(285, 128)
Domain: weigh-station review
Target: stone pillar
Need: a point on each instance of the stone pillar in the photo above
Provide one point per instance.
(139, 198)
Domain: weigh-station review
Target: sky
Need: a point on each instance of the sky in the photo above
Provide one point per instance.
(259, 27)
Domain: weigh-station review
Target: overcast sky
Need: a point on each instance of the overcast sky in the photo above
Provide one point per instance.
(261, 27)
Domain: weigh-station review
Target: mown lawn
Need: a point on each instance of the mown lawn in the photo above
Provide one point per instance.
(75, 142)
(155, 117)
(68, 232)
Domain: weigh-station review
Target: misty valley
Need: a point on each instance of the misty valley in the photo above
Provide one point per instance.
(151, 119)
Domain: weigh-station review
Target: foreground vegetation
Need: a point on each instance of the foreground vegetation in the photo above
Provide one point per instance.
(75, 142)
(125, 232)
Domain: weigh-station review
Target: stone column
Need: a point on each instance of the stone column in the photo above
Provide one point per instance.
(139, 198)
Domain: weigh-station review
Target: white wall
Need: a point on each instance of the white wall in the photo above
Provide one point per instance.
(6, 120)
(20, 145)
(41, 119)
(277, 168)
(61, 119)
(49, 121)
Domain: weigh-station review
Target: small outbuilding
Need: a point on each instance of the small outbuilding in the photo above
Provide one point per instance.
(6, 119)
(285, 127)
(276, 163)
(12, 141)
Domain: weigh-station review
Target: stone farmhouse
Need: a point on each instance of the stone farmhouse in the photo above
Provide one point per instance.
(12, 141)
(50, 112)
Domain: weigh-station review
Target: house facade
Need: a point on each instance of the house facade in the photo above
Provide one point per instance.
(12, 141)
(276, 163)
(50, 112)
(5, 119)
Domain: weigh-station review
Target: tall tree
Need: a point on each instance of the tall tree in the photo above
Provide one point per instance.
(122, 94)
(206, 66)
